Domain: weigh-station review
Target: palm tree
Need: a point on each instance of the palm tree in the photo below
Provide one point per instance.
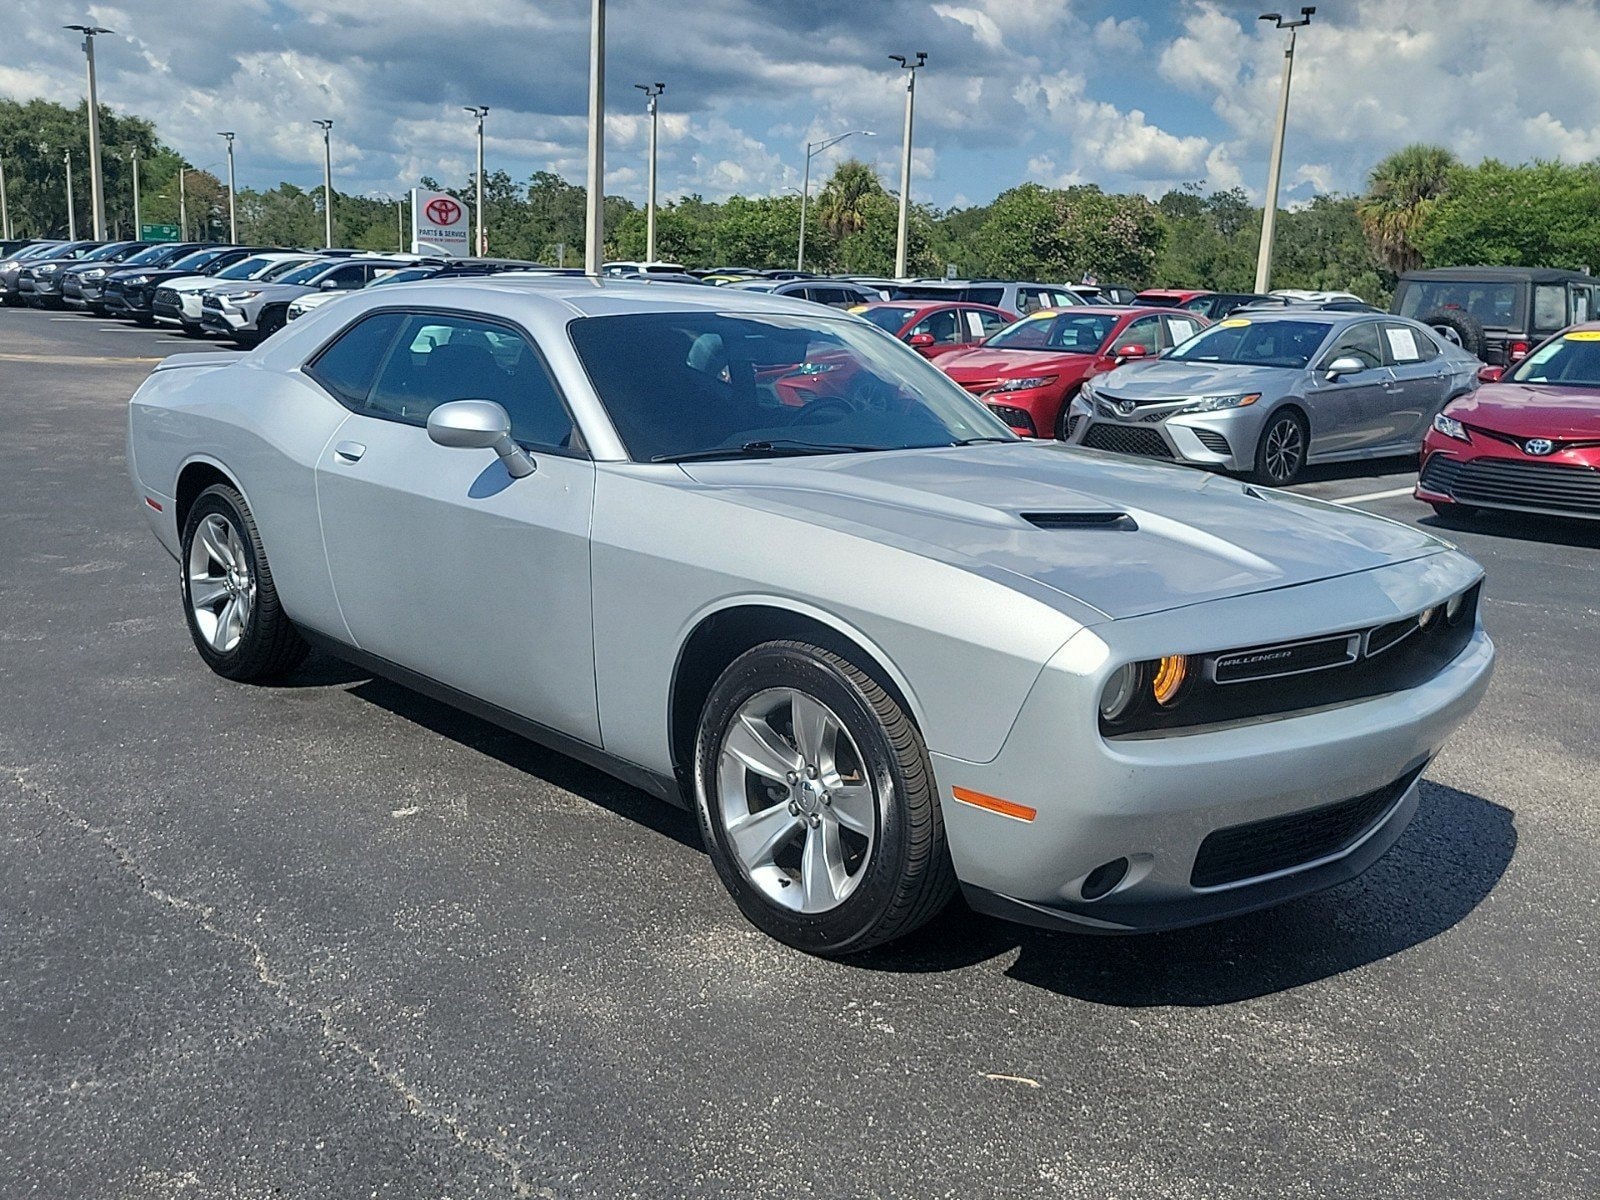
(842, 204)
(1401, 192)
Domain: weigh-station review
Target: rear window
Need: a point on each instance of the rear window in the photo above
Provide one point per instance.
(892, 319)
(1495, 305)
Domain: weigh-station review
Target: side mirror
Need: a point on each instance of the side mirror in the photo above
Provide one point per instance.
(1345, 364)
(920, 340)
(329, 285)
(479, 425)
(1124, 353)
(1490, 374)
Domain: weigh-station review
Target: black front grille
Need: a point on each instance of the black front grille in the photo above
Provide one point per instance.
(1072, 424)
(1281, 843)
(1214, 441)
(1506, 483)
(1123, 439)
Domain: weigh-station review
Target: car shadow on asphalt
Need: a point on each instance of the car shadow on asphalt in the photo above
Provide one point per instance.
(1449, 859)
(1552, 531)
(1360, 468)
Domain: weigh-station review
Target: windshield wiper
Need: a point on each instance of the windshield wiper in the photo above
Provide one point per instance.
(977, 441)
(777, 447)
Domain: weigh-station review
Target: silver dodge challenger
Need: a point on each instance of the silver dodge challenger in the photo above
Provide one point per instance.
(762, 560)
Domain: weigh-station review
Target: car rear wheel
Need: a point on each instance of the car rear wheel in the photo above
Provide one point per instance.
(816, 802)
(229, 600)
(1281, 450)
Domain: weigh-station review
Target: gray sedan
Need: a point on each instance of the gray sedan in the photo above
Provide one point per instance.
(764, 561)
(1265, 393)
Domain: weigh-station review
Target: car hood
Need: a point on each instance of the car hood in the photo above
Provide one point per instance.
(272, 291)
(193, 283)
(1540, 410)
(1184, 536)
(1010, 364)
(1160, 378)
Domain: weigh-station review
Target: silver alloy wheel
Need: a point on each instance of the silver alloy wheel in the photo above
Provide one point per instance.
(796, 801)
(222, 590)
(1448, 332)
(1285, 448)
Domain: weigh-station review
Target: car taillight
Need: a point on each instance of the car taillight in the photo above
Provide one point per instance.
(1516, 350)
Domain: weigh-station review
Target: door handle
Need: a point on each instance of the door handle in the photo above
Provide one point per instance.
(348, 452)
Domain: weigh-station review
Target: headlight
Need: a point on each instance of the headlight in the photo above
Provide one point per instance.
(1087, 390)
(1451, 428)
(1453, 608)
(1121, 691)
(136, 279)
(809, 368)
(1207, 404)
(1022, 385)
(95, 273)
(235, 297)
(47, 268)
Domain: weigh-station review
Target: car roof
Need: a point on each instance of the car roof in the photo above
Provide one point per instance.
(1499, 275)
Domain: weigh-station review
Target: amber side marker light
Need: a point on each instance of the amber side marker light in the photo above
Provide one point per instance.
(1171, 674)
(1017, 812)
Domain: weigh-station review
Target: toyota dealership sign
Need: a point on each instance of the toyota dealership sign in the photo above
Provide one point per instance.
(439, 224)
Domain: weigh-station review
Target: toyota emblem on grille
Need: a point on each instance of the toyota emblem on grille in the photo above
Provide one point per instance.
(1125, 407)
(1538, 446)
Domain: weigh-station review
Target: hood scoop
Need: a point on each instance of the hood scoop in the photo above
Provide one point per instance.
(1079, 519)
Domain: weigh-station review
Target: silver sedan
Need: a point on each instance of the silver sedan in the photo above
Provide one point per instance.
(764, 561)
(1266, 393)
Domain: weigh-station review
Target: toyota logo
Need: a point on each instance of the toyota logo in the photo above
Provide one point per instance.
(1538, 446)
(442, 210)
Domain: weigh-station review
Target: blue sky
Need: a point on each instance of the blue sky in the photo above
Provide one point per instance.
(1134, 95)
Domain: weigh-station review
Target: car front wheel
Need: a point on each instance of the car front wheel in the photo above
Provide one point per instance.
(1281, 449)
(816, 802)
(229, 599)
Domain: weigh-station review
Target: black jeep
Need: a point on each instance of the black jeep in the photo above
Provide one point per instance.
(1497, 313)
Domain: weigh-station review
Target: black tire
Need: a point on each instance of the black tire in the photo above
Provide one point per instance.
(269, 322)
(1285, 427)
(143, 320)
(268, 647)
(1065, 414)
(1459, 327)
(193, 331)
(906, 878)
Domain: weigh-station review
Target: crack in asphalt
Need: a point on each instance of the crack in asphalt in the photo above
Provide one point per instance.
(331, 1032)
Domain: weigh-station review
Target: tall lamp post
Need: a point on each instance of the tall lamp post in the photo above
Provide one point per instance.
(594, 224)
(652, 93)
(96, 186)
(72, 213)
(480, 111)
(1269, 215)
(910, 67)
(233, 224)
(327, 181)
(138, 223)
(5, 207)
(812, 150)
(183, 202)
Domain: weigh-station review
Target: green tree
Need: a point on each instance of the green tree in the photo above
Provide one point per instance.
(1546, 214)
(1402, 191)
(1034, 232)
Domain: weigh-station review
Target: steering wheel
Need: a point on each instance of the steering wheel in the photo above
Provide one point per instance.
(824, 409)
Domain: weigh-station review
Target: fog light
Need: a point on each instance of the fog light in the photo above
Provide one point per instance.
(1171, 674)
(1104, 878)
(1120, 691)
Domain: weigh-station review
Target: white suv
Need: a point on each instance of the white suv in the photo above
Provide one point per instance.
(179, 299)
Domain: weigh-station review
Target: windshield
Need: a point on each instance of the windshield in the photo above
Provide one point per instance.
(304, 274)
(1064, 333)
(408, 275)
(278, 270)
(246, 268)
(150, 255)
(1572, 360)
(105, 252)
(890, 319)
(1493, 304)
(1254, 343)
(703, 384)
(197, 259)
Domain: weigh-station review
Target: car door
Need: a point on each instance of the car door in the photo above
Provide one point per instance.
(1349, 414)
(440, 560)
(1421, 383)
(946, 328)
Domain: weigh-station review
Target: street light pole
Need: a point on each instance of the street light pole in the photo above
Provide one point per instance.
(327, 182)
(72, 215)
(233, 224)
(96, 186)
(652, 93)
(594, 225)
(5, 207)
(812, 150)
(1269, 215)
(480, 111)
(183, 202)
(905, 159)
(137, 223)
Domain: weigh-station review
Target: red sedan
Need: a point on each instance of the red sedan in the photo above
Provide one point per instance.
(936, 329)
(1528, 441)
(1029, 372)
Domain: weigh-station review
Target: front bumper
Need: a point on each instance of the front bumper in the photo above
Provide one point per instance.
(1563, 484)
(219, 319)
(1224, 441)
(1154, 800)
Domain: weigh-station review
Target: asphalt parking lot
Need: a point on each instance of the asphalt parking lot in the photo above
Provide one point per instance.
(335, 940)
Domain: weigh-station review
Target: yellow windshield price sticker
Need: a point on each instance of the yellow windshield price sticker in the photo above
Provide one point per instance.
(1584, 335)
(1233, 323)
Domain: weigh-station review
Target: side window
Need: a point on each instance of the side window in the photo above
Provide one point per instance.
(1580, 304)
(1146, 332)
(1549, 307)
(346, 367)
(986, 295)
(1359, 341)
(1407, 346)
(346, 278)
(944, 325)
(440, 357)
(989, 322)
(1181, 329)
(1030, 300)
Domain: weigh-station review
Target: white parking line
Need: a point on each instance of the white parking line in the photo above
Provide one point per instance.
(1389, 495)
